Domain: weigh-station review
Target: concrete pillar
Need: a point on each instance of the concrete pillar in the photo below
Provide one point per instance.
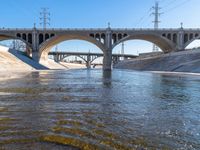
(88, 63)
(35, 56)
(107, 59)
(115, 60)
(35, 46)
(59, 58)
(55, 57)
(180, 44)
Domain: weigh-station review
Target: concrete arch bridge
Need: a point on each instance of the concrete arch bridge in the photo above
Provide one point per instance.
(40, 41)
(88, 58)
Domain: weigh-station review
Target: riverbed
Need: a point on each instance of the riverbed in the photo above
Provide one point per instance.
(89, 109)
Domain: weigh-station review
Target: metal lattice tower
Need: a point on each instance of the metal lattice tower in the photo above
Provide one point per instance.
(156, 13)
(44, 17)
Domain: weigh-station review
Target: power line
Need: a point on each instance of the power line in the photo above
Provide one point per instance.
(176, 6)
(169, 3)
(44, 17)
(143, 17)
(146, 14)
(163, 1)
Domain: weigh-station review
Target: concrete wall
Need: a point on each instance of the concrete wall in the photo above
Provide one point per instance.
(152, 54)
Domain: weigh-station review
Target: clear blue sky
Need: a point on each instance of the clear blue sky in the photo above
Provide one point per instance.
(97, 13)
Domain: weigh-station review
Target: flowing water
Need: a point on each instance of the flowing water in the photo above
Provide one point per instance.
(88, 109)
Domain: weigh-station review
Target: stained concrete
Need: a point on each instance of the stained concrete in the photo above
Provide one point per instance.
(185, 61)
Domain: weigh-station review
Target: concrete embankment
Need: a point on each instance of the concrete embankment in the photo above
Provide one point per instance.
(184, 61)
(8, 61)
(13, 60)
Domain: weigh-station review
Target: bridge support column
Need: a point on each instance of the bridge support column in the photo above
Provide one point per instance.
(88, 63)
(107, 53)
(107, 60)
(35, 56)
(115, 60)
(35, 46)
(56, 59)
(180, 45)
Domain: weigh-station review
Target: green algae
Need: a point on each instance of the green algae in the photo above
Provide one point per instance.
(115, 145)
(7, 119)
(74, 131)
(139, 141)
(106, 134)
(106, 141)
(4, 121)
(23, 133)
(11, 141)
(95, 123)
(2, 109)
(4, 128)
(69, 141)
(69, 122)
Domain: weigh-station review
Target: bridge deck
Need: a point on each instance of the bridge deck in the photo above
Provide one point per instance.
(97, 29)
(95, 54)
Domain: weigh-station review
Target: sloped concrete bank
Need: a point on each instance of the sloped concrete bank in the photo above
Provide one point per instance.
(13, 60)
(9, 61)
(184, 61)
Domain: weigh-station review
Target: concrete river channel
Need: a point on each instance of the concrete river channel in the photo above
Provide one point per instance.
(91, 110)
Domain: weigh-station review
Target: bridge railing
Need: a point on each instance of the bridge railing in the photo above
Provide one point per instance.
(53, 29)
(150, 29)
(99, 29)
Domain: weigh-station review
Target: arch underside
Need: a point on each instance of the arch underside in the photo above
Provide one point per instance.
(46, 46)
(191, 41)
(164, 44)
(2, 38)
(6, 37)
(75, 56)
(95, 58)
(92, 60)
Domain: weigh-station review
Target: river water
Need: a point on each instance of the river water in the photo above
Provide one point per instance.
(88, 109)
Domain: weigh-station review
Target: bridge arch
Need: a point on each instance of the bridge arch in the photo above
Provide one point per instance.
(21, 37)
(95, 58)
(195, 37)
(46, 46)
(163, 43)
(76, 56)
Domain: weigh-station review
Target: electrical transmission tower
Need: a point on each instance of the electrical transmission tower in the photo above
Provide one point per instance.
(156, 13)
(45, 17)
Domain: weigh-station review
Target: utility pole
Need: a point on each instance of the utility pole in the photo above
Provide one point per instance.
(156, 13)
(44, 17)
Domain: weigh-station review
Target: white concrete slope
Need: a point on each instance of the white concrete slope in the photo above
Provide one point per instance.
(20, 56)
(185, 61)
(10, 62)
(13, 60)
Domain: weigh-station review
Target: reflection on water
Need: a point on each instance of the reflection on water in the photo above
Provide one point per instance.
(83, 109)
